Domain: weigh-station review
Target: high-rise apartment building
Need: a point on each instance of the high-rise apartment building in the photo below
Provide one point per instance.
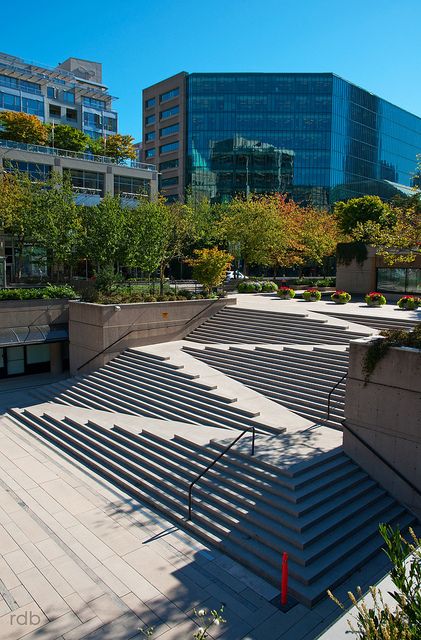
(71, 93)
(313, 135)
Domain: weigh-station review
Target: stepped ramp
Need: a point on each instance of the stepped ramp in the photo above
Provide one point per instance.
(320, 508)
(380, 322)
(140, 382)
(237, 325)
(299, 378)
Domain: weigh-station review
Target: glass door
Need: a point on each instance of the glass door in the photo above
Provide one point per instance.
(15, 361)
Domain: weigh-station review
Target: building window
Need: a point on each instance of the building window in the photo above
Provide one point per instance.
(129, 187)
(166, 148)
(150, 136)
(168, 113)
(22, 85)
(169, 164)
(169, 131)
(54, 111)
(9, 102)
(52, 93)
(36, 172)
(150, 120)
(87, 181)
(92, 120)
(71, 114)
(69, 96)
(150, 103)
(110, 124)
(93, 102)
(34, 107)
(169, 182)
(149, 153)
(169, 95)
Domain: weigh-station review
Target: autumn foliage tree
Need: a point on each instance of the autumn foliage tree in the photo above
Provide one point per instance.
(115, 146)
(210, 267)
(22, 127)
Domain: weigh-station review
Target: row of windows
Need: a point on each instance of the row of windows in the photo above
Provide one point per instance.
(266, 103)
(95, 121)
(66, 96)
(20, 85)
(168, 113)
(169, 131)
(55, 112)
(12, 102)
(150, 153)
(150, 103)
(169, 95)
(260, 121)
(93, 102)
(260, 83)
(150, 136)
(150, 119)
(166, 148)
(169, 182)
(129, 186)
(169, 164)
(35, 171)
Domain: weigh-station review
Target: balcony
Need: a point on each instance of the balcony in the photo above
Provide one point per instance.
(62, 153)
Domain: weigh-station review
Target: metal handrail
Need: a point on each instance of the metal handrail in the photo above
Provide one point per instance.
(216, 460)
(331, 392)
(380, 457)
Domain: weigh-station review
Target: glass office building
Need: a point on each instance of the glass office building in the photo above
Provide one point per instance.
(313, 135)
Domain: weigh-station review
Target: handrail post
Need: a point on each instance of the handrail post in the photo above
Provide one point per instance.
(331, 391)
(252, 441)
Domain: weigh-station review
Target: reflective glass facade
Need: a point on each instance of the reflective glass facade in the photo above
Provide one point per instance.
(313, 135)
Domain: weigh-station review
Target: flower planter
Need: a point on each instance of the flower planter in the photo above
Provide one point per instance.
(374, 304)
(285, 293)
(340, 301)
(340, 297)
(409, 303)
(312, 295)
(375, 299)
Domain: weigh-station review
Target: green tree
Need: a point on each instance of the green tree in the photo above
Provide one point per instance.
(145, 230)
(56, 222)
(115, 146)
(22, 127)
(63, 136)
(103, 235)
(359, 211)
(210, 266)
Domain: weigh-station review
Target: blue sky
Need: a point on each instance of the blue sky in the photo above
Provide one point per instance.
(371, 43)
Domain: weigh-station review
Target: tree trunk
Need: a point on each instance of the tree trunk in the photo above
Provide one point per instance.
(161, 278)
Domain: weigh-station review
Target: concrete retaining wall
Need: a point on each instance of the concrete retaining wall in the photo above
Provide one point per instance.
(23, 313)
(356, 277)
(94, 327)
(386, 413)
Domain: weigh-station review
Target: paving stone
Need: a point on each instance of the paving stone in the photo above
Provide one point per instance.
(122, 628)
(34, 469)
(67, 495)
(50, 549)
(78, 578)
(45, 500)
(29, 527)
(21, 595)
(7, 576)
(44, 594)
(4, 608)
(92, 543)
(148, 617)
(131, 578)
(83, 630)
(80, 607)
(57, 581)
(4, 517)
(35, 555)
(183, 630)
(18, 561)
(107, 608)
(111, 580)
(7, 543)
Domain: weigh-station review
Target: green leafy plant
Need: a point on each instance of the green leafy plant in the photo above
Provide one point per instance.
(48, 292)
(210, 267)
(378, 348)
(409, 302)
(379, 621)
(249, 286)
(340, 297)
(269, 286)
(312, 295)
(375, 299)
(325, 282)
(286, 293)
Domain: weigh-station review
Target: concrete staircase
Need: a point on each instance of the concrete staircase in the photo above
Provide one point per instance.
(378, 322)
(250, 326)
(324, 512)
(298, 378)
(145, 384)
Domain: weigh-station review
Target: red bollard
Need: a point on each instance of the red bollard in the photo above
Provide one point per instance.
(284, 585)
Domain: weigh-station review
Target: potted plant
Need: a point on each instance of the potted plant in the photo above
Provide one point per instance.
(286, 293)
(375, 299)
(312, 295)
(409, 302)
(269, 287)
(340, 297)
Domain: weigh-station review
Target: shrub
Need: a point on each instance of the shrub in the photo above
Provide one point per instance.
(249, 286)
(312, 295)
(325, 282)
(378, 348)
(409, 302)
(375, 299)
(268, 287)
(210, 267)
(340, 297)
(47, 293)
(286, 292)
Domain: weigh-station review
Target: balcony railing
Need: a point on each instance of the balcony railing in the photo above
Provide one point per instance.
(62, 153)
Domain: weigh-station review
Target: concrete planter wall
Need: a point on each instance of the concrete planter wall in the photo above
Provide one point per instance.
(94, 327)
(386, 413)
(23, 313)
(357, 277)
